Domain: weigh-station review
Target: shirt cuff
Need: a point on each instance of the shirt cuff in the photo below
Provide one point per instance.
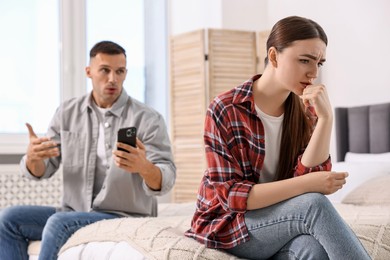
(168, 176)
(301, 169)
(238, 197)
(25, 172)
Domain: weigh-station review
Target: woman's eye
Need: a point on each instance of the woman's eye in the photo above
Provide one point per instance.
(320, 64)
(304, 61)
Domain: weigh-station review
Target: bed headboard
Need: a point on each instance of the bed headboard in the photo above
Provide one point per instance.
(362, 129)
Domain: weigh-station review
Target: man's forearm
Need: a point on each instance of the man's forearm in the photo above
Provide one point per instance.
(152, 176)
(36, 168)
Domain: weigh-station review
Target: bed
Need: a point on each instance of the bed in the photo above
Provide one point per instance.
(363, 149)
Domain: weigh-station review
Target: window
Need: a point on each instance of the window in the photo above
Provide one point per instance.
(124, 26)
(45, 47)
(29, 64)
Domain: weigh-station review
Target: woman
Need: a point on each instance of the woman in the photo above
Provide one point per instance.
(267, 149)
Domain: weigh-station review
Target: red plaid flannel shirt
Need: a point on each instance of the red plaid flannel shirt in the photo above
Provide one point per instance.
(234, 144)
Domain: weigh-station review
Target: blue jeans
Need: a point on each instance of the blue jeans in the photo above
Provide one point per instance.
(303, 227)
(21, 224)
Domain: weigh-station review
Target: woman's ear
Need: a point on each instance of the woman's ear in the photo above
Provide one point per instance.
(272, 57)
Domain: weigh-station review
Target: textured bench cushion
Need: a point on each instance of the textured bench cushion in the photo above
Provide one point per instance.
(15, 189)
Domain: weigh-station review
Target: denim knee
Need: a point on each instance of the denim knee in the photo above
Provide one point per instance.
(57, 222)
(7, 217)
(8, 213)
(302, 247)
(316, 200)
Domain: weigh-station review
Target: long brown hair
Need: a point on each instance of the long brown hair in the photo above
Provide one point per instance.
(297, 128)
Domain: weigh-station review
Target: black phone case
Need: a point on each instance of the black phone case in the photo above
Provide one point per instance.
(128, 136)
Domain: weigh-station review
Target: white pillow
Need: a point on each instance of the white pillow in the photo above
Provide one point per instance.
(359, 173)
(374, 192)
(367, 157)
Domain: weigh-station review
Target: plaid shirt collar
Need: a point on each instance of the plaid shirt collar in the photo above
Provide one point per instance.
(243, 94)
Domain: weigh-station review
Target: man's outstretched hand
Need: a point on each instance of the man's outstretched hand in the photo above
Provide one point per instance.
(39, 148)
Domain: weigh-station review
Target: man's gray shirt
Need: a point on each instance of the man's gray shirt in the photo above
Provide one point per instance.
(77, 125)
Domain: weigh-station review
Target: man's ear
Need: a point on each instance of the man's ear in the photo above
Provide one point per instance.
(88, 71)
(272, 57)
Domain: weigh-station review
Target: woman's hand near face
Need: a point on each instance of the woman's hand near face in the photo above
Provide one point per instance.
(317, 151)
(317, 96)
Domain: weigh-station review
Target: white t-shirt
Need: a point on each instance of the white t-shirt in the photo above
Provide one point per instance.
(101, 158)
(273, 134)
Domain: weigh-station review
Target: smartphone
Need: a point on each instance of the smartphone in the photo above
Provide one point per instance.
(128, 136)
(55, 138)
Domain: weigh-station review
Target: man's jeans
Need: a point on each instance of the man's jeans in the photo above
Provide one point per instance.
(303, 227)
(21, 224)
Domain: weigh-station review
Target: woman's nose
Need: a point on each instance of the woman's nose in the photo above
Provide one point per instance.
(312, 74)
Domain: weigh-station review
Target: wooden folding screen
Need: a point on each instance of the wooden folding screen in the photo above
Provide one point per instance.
(261, 50)
(232, 59)
(204, 63)
(188, 98)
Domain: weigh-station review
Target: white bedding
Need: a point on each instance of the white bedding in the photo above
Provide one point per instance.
(156, 238)
(109, 248)
(102, 250)
(111, 245)
(162, 237)
(359, 173)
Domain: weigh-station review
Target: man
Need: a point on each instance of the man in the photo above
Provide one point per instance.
(100, 181)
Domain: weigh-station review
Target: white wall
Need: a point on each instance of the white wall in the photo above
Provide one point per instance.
(358, 53)
(190, 15)
(249, 15)
(357, 69)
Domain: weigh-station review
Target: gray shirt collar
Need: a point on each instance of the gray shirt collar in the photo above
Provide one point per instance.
(117, 107)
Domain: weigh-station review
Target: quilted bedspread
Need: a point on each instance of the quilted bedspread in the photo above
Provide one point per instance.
(162, 237)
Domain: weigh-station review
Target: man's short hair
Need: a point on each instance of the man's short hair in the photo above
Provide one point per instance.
(106, 47)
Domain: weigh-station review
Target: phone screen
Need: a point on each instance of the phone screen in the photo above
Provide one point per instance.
(128, 136)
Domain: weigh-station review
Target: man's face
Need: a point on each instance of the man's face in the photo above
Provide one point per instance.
(107, 73)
